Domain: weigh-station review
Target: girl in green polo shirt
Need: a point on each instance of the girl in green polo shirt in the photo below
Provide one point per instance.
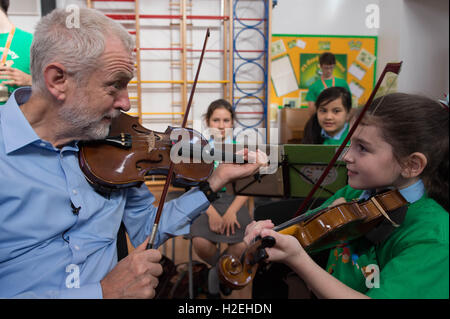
(329, 124)
(402, 143)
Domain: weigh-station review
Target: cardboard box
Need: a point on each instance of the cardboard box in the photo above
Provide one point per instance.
(291, 123)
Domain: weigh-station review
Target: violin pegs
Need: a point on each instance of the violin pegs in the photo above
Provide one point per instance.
(261, 255)
(268, 241)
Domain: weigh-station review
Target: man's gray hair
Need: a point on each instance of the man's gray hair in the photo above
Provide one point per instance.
(77, 48)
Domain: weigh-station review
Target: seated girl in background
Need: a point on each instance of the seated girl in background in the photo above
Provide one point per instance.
(401, 143)
(226, 218)
(329, 125)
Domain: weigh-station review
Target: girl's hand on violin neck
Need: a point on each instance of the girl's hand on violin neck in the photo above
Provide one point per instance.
(254, 229)
(287, 248)
(135, 276)
(226, 173)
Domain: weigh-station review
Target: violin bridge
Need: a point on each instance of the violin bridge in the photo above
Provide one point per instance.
(151, 142)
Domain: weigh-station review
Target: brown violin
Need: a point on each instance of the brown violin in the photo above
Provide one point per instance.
(131, 152)
(316, 230)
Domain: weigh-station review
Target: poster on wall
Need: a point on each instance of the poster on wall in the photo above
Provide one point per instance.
(355, 62)
(310, 72)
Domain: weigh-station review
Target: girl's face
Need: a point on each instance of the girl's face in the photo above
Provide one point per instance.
(371, 162)
(221, 119)
(332, 116)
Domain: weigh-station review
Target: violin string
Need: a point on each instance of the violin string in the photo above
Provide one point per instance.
(195, 150)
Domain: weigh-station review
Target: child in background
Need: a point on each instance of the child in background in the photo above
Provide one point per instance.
(329, 124)
(402, 143)
(15, 46)
(225, 219)
(327, 64)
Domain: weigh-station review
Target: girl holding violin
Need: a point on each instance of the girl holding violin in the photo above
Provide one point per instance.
(402, 143)
(225, 220)
(329, 124)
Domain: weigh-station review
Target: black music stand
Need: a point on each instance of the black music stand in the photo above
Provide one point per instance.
(264, 185)
(300, 166)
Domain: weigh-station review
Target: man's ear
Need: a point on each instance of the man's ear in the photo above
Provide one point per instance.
(414, 165)
(55, 76)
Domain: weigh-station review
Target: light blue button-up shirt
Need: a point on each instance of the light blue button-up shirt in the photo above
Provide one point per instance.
(411, 194)
(46, 251)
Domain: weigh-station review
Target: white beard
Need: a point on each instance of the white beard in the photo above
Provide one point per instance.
(83, 123)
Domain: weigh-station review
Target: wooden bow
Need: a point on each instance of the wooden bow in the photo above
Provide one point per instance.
(169, 175)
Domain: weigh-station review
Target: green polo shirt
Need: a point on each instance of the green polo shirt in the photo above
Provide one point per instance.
(338, 138)
(317, 87)
(19, 52)
(412, 262)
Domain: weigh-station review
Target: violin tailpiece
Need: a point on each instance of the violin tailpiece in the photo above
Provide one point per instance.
(382, 211)
(151, 142)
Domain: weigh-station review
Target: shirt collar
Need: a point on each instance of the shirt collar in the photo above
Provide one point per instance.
(337, 136)
(228, 140)
(411, 193)
(17, 132)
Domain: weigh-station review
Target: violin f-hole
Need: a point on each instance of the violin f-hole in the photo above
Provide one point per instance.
(158, 160)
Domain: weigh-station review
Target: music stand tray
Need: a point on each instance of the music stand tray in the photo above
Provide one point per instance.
(299, 167)
(306, 162)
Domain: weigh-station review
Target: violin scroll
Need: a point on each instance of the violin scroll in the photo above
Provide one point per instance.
(236, 273)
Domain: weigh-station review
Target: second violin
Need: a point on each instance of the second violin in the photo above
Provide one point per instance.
(315, 231)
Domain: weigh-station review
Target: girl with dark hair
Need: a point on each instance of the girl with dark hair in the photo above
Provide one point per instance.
(4, 5)
(329, 124)
(403, 144)
(226, 218)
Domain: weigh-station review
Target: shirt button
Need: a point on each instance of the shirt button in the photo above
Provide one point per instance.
(76, 247)
(42, 144)
(74, 191)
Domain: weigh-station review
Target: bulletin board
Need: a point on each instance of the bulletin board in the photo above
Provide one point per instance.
(295, 65)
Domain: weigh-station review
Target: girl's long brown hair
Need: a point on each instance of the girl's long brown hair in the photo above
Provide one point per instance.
(312, 128)
(217, 104)
(414, 123)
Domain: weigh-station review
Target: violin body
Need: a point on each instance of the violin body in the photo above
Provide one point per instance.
(321, 230)
(329, 227)
(343, 222)
(131, 152)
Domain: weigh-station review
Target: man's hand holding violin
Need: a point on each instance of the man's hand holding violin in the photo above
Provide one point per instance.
(226, 173)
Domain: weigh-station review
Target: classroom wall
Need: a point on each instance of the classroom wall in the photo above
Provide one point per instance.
(424, 47)
(25, 13)
(414, 31)
(329, 17)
